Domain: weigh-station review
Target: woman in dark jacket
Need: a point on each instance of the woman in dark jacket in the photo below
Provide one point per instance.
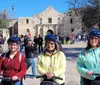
(29, 51)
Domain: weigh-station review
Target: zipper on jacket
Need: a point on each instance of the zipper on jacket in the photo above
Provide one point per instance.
(95, 56)
(54, 60)
(95, 59)
(50, 61)
(10, 63)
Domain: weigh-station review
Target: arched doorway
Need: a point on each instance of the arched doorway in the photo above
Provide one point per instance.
(41, 31)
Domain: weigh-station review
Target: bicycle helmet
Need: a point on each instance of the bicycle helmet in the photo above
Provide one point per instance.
(95, 33)
(13, 39)
(51, 37)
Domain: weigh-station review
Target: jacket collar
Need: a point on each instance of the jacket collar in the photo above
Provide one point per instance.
(93, 49)
(17, 54)
(47, 53)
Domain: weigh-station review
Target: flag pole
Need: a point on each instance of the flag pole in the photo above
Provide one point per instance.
(12, 20)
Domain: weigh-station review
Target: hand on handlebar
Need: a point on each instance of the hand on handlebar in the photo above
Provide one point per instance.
(49, 75)
(90, 73)
(15, 78)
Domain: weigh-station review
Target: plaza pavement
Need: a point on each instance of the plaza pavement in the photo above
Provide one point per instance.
(72, 76)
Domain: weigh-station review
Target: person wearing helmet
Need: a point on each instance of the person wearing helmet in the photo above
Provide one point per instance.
(52, 61)
(13, 62)
(59, 44)
(88, 61)
(30, 54)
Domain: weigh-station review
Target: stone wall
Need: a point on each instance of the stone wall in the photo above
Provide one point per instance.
(24, 24)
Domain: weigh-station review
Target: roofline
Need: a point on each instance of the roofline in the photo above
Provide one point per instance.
(13, 19)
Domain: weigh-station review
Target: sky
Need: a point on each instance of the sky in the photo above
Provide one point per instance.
(27, 8)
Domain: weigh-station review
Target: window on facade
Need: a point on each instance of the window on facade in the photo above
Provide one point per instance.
(71, 21)
(58, 19)
(27, 21)
(40, 20)
(72, 30)
(49, 20)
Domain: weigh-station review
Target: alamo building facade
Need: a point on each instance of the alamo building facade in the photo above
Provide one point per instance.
(60, 23)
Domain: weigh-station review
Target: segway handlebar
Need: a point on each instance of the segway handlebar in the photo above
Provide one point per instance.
(44, 76)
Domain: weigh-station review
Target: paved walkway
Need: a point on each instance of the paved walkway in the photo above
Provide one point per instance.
(72, 76)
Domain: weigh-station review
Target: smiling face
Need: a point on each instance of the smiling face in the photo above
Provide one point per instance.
(94, 41)
(50, 45)
(13, 47)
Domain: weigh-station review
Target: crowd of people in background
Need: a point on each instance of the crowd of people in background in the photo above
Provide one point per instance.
(39, 41)
(36, 41)
(72, 38)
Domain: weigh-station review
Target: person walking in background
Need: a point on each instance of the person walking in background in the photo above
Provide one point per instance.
(35, 40)
(13, 62)
(29, 52)
(79, 37)
(50, 31)
(89, 59)
(71, 37)
(84, 37)
(26, 38)
(21, 44)
(40, 43)
(52, 61)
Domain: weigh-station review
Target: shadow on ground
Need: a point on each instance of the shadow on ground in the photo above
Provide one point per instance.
(72, 52)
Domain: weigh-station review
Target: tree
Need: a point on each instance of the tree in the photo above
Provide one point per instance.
(91, 15)
(89, 10)
(3, 20)
(76, 4)
(3, 23)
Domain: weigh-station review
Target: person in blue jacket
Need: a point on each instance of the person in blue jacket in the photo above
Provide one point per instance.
(89, 59)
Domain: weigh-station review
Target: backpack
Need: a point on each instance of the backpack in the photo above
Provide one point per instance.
(20, 57)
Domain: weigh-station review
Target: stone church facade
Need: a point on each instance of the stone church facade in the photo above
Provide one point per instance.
(60, 23)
